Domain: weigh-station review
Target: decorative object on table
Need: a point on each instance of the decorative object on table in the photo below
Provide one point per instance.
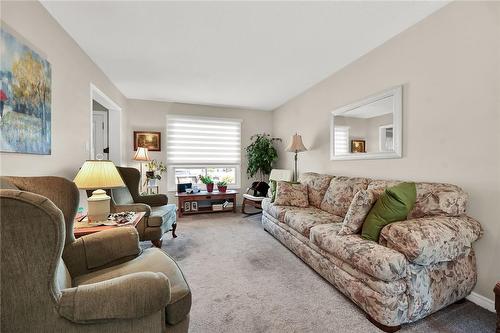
(208, 181)
(187, 206)
(25, 98)
(149, 140)
(141, 155)
(98, 175)
(194, 206)
(154, 171)
(256, 201)
(261, 154)
(358, 146)
(296, 146)
(122, 218)
(222, 184)
(183, 187)
(152, 189)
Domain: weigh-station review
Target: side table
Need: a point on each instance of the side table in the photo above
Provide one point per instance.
(79, 232)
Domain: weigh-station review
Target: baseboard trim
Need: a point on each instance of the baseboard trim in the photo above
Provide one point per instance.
(482, 301)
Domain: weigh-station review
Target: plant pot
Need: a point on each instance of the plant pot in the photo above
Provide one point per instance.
(222, 188)
(210, 187)
(152, 182)
(150, 174)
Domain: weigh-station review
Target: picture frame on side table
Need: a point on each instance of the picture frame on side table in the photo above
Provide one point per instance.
(187, 206)
(194, 206)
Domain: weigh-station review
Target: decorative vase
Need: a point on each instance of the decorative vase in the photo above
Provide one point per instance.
(222, 188)
(152, 182)
(210, 187)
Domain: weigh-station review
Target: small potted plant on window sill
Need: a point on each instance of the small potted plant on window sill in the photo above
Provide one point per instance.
(208, 181)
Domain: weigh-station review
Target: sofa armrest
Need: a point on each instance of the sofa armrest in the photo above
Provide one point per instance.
(434, 239)
(153, 200)
(130, 296)
(101, 248)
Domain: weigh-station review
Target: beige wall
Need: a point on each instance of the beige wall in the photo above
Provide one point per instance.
(72, 74)
(449, 65)
(151, 116)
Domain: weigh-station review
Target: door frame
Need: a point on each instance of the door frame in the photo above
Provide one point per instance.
(114, 124)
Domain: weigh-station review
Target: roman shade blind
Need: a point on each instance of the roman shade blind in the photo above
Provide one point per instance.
(341, 140)
(203, 140)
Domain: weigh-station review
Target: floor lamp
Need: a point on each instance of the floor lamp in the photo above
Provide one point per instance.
(296, 146)
(141, 155)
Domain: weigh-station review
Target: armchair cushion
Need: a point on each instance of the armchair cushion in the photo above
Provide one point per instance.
(160, 215)
(430, 240)
(130, 296)
(101, 248)
(155, 260)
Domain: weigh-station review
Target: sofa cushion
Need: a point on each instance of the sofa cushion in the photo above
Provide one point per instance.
(316, 186)
(432, 198)
(151, 260)
(278, 212)
(161, 214)
(369, 257)
(439, 199)
(340, 193)
(393, 205)
(291, 194)
(432, 239)
(359, 208)
(303, 220)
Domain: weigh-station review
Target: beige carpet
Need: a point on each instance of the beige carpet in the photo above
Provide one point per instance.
(244, 280)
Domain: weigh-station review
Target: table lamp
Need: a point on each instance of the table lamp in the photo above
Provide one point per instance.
(141, 155)
(296, 146)
(96, 175)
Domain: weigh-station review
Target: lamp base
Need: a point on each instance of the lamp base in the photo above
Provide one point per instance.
(98, 206)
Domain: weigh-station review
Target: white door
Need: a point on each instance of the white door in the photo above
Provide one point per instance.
(100, 134)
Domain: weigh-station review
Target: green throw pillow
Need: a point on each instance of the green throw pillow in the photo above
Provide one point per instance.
(393, 205)
(273, 189)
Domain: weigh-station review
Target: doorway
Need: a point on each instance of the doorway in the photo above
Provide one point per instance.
(100, 131)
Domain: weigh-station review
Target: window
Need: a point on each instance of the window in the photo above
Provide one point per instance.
(203, 146)
(341, 140)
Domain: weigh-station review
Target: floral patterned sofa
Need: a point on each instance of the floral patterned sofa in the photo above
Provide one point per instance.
(418, 266)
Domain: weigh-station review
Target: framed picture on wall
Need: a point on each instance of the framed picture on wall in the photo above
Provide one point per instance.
(150, 140)
(358, 146)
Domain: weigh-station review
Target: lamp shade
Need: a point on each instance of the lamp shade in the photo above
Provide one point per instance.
(141, 154)
(296, 144)
(98, 175)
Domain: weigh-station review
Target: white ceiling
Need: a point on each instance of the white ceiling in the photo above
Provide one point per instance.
(242, 54)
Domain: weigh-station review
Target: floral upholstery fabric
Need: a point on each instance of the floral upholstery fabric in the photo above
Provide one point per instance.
(371, 258)
(432, 239)
(304, 219)
(277, 212)
(290, 194)
(317, 185)
(438, 199)
(339, 194)
(431, 288)
(360, 206)
(380, 185)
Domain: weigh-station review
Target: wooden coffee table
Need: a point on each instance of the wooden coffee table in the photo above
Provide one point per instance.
(79, 232)
(208, 198)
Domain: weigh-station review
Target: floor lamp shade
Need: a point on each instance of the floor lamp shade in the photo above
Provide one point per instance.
(296, 146)
(97, 175)
(141, 154)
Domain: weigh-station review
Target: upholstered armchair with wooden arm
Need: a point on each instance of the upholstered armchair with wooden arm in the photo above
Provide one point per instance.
(102, 282)
(160, 216)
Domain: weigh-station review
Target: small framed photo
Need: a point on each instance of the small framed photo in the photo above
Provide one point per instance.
(358, 146)
(150, 140)
(187, 206)
(194, 206)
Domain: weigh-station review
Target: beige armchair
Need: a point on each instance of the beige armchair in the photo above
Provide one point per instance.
(160, 216)
(102, 282)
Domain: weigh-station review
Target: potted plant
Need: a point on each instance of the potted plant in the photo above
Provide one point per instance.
(261, 155)
(222, 184)
(208, 181)
(154, 171)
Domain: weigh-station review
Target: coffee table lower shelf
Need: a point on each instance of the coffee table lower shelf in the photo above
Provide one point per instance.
(187, 199)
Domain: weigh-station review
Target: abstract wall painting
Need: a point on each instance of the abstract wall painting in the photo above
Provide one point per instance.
(25, 98)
